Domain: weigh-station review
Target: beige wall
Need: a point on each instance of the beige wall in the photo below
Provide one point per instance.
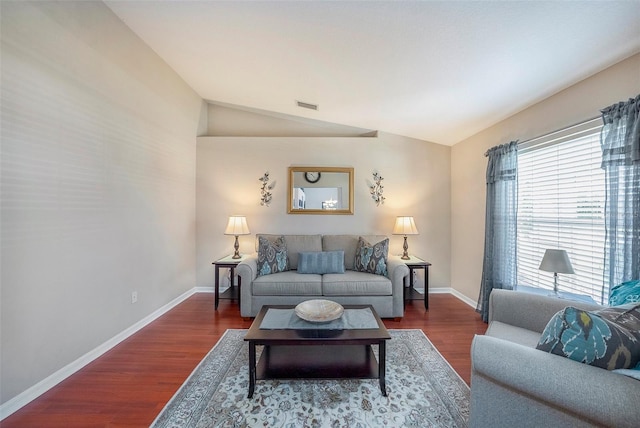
(98, 185)
(468, 164)
(416, 182)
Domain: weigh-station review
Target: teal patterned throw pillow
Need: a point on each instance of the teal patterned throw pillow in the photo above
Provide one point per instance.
(627, 292)
(272, 256)
(372, 258)
(608, 338)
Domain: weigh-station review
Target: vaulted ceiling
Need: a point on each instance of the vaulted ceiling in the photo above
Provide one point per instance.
(438, 71)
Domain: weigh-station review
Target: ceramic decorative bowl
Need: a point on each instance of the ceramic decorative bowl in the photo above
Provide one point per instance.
(319, 310)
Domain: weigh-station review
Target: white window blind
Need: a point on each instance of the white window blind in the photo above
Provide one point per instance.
(561, 194)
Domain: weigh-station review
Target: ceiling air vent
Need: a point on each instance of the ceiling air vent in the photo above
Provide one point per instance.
(307, 105)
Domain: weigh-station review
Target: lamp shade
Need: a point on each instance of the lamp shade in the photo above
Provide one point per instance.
(237, 226)
(556, 261)
(405, 226)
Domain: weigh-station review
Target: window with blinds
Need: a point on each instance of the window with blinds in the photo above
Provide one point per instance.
(561, 194)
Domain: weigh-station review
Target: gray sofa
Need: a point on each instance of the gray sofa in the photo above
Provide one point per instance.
(514, 384)
(385, 293)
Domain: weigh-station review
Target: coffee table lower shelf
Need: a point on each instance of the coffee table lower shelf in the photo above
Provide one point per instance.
(320, 362)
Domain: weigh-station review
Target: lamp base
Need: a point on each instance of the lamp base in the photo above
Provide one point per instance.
(405, 247)
(554, 293)
(236, 247)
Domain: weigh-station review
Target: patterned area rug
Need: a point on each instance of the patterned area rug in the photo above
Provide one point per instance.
(423, 391)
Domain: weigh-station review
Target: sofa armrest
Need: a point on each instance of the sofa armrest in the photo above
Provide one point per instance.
(397, 271)
(527, 310)
(247, 271)
(248, 268)
(587, 392)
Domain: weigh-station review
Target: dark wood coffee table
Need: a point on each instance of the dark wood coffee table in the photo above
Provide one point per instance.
(317, 353)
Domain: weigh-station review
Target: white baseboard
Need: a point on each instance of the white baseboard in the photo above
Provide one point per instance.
(49, 382)
(46, 384)
(464, 298)
(449, 290)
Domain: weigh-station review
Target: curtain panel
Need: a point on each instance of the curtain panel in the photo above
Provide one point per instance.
(499, 268)
(620, 142)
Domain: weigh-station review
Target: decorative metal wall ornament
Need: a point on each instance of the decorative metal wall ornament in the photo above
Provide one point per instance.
(376, 189)
(265, 189)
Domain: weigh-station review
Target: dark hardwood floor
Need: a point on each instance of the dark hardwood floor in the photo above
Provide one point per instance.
(129, 385)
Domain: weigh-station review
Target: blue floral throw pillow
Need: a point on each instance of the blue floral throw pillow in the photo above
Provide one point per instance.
(272, 256)
(372, 258)
(627, 292)
(608, 338)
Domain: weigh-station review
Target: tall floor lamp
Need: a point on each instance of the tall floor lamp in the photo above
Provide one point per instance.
(405, 226)
(556, 261)
(237, 226)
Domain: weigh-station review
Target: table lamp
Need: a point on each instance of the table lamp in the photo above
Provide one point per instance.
(556, 261)
(237, 226)
(405, 226)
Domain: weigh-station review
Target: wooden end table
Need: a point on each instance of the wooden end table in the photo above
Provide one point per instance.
(417, 263)
(230, 263)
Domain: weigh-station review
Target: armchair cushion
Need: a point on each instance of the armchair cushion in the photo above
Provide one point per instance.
(634, 372)
(608, 338)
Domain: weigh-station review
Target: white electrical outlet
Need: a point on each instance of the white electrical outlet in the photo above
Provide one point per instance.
(134, 296)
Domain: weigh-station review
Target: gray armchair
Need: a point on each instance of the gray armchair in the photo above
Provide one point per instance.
(514, 384)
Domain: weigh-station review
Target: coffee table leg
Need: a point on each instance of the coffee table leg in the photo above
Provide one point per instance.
(382, 366)
(217, 288)
(252, 368)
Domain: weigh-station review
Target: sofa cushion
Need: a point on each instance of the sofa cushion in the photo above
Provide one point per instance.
(353, 283)
(288, 283)
(321, 262)
(297, 244)
(608, 338)
(372, 258)
(272, 256)
(519, 335)
(348, 244)
(627, 292)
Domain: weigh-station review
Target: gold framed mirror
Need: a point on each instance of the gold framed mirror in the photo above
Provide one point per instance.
(320, 190)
